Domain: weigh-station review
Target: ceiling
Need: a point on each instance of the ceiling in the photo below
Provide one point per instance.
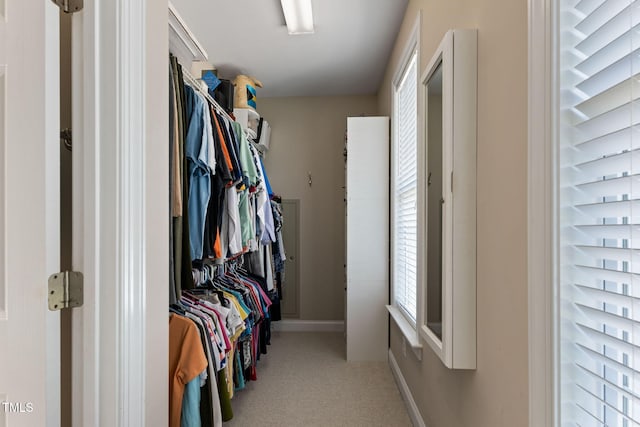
(347, 55)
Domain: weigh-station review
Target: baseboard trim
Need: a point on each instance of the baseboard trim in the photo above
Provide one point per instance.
(295, 325)
(412, 408)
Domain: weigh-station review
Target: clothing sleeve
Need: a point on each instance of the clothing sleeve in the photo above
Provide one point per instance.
(211, 150)
(266, 178)
(194, 126)
(246, 158)
(233, 151)
(193, 359)
(223, 145)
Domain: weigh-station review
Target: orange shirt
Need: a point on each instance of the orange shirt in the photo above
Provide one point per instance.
(186, 361)
(225, 150)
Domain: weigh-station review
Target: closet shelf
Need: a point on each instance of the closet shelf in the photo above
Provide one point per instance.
(182, 42)
(186, 48)
(198, 85)
(251, 113)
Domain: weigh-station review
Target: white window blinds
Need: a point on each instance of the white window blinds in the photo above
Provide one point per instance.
(405, 190)
(599, 208)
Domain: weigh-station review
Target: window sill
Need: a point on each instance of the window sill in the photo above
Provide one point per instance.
(408, 330)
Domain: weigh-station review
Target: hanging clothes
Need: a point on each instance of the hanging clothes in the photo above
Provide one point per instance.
(250, 179)
(186, 244)
(180, 219)
(174, 211)
(224, 253)
(235, 310)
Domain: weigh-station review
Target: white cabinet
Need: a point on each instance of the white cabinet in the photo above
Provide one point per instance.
(449, 94)
(367, 210)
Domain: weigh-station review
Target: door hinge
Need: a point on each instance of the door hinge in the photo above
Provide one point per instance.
(66, 290)
(69, 6)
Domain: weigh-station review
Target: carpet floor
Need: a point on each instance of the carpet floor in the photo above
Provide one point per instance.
(305, 380)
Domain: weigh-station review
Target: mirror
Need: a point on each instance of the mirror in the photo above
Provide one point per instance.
(448, 226)
(435, 202)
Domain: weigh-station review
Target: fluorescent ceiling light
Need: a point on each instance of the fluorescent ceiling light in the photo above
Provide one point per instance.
(298, 15)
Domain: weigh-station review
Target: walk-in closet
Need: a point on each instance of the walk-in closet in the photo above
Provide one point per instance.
(318, 213)
(279, 220)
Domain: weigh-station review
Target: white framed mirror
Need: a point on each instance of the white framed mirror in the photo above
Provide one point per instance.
(449, 95)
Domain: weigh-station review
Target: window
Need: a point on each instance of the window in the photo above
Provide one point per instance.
(405, 188)
(599, 212)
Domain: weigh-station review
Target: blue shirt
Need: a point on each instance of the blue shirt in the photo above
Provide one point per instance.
(190, 416)
(197, 147)
(266, 179)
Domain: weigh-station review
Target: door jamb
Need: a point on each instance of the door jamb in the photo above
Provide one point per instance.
(120, 197)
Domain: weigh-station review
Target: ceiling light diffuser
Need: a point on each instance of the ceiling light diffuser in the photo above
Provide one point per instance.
(298, 15)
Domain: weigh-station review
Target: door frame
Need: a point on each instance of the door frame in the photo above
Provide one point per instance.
(295, 203)
(121, 213)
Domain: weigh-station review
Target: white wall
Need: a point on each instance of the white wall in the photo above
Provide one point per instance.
(308, 136)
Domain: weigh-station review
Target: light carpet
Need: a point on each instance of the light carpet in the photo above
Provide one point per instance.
(305, 380)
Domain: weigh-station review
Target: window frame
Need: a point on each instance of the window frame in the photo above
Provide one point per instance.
(407, 325)
(400, 79)
(542, 210)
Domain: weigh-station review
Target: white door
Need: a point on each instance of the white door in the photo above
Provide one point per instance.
(29, 212)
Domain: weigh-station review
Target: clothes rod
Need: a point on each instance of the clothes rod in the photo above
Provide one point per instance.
(197, 86)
